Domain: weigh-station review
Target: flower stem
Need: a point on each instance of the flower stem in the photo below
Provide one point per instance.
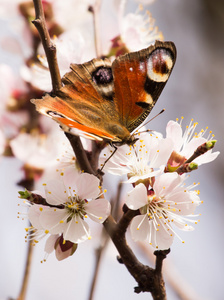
(95, 9)
(23, 291)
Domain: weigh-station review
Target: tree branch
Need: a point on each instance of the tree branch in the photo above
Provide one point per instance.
(80, 153)
(22, 294)
(148, 279)
(49, 47)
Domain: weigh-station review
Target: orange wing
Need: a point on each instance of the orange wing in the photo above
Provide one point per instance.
(103, 101)
(85, 102)
(139, 79)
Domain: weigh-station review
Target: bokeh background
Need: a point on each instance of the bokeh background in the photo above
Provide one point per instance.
(195, 90)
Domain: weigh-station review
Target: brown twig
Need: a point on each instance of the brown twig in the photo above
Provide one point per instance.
(22, 294)
(202, 149)
(105, 239)
(95, 9)
(97, 147)
(80, 153)
(180, 286)
(148, 279)
(99, 253)
(49, 47)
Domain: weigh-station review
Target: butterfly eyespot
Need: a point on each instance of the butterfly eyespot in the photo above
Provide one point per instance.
(159, 65)
(54, 114)
(102, 75)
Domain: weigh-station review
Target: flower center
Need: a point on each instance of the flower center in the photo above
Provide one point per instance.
(75, 207)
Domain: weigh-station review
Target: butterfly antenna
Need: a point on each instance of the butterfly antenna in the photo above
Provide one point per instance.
(152, 118)
(103, 165)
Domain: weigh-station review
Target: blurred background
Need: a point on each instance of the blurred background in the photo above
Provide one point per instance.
(195, 90)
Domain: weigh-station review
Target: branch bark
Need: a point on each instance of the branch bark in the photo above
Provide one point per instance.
(22, 294)
(49, 47)
(148, 279)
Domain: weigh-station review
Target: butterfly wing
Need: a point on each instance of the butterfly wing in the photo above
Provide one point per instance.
(139, 78)
(85, 102)
(103, 101)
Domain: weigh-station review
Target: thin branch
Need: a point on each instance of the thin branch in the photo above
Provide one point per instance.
(97, 147)
(49, 47)
(95, 9)
(173, 277)
(80, 153)
(99, 253)
(23, 291)
(105, 239)
(202, 149)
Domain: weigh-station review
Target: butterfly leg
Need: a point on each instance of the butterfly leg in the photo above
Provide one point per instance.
(115, 149)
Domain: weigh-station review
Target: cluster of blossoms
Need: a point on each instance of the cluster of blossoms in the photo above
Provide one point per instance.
(155, 167)
(62, 216)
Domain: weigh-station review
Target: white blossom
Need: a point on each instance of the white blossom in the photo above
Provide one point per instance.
(169, 202)
(70, 208)
(138, 29)
(186, 142)
(146, 158)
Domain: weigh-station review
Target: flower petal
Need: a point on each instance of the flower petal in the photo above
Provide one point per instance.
(140, 228)
(160, 154)
(56, 193)
(77, 230)
(53, 219)
(166, 183)
(137, 197)
(50, 242)
(161, 236)
(86, 185)
(98, 210)
(174, 132)
(34, 215)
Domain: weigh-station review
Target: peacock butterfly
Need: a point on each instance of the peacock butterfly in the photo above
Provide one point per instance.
(104, 100)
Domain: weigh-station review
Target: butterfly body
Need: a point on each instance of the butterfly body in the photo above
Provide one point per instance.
(104, 100)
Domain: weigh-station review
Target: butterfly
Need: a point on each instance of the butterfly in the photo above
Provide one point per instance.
(104, 100)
